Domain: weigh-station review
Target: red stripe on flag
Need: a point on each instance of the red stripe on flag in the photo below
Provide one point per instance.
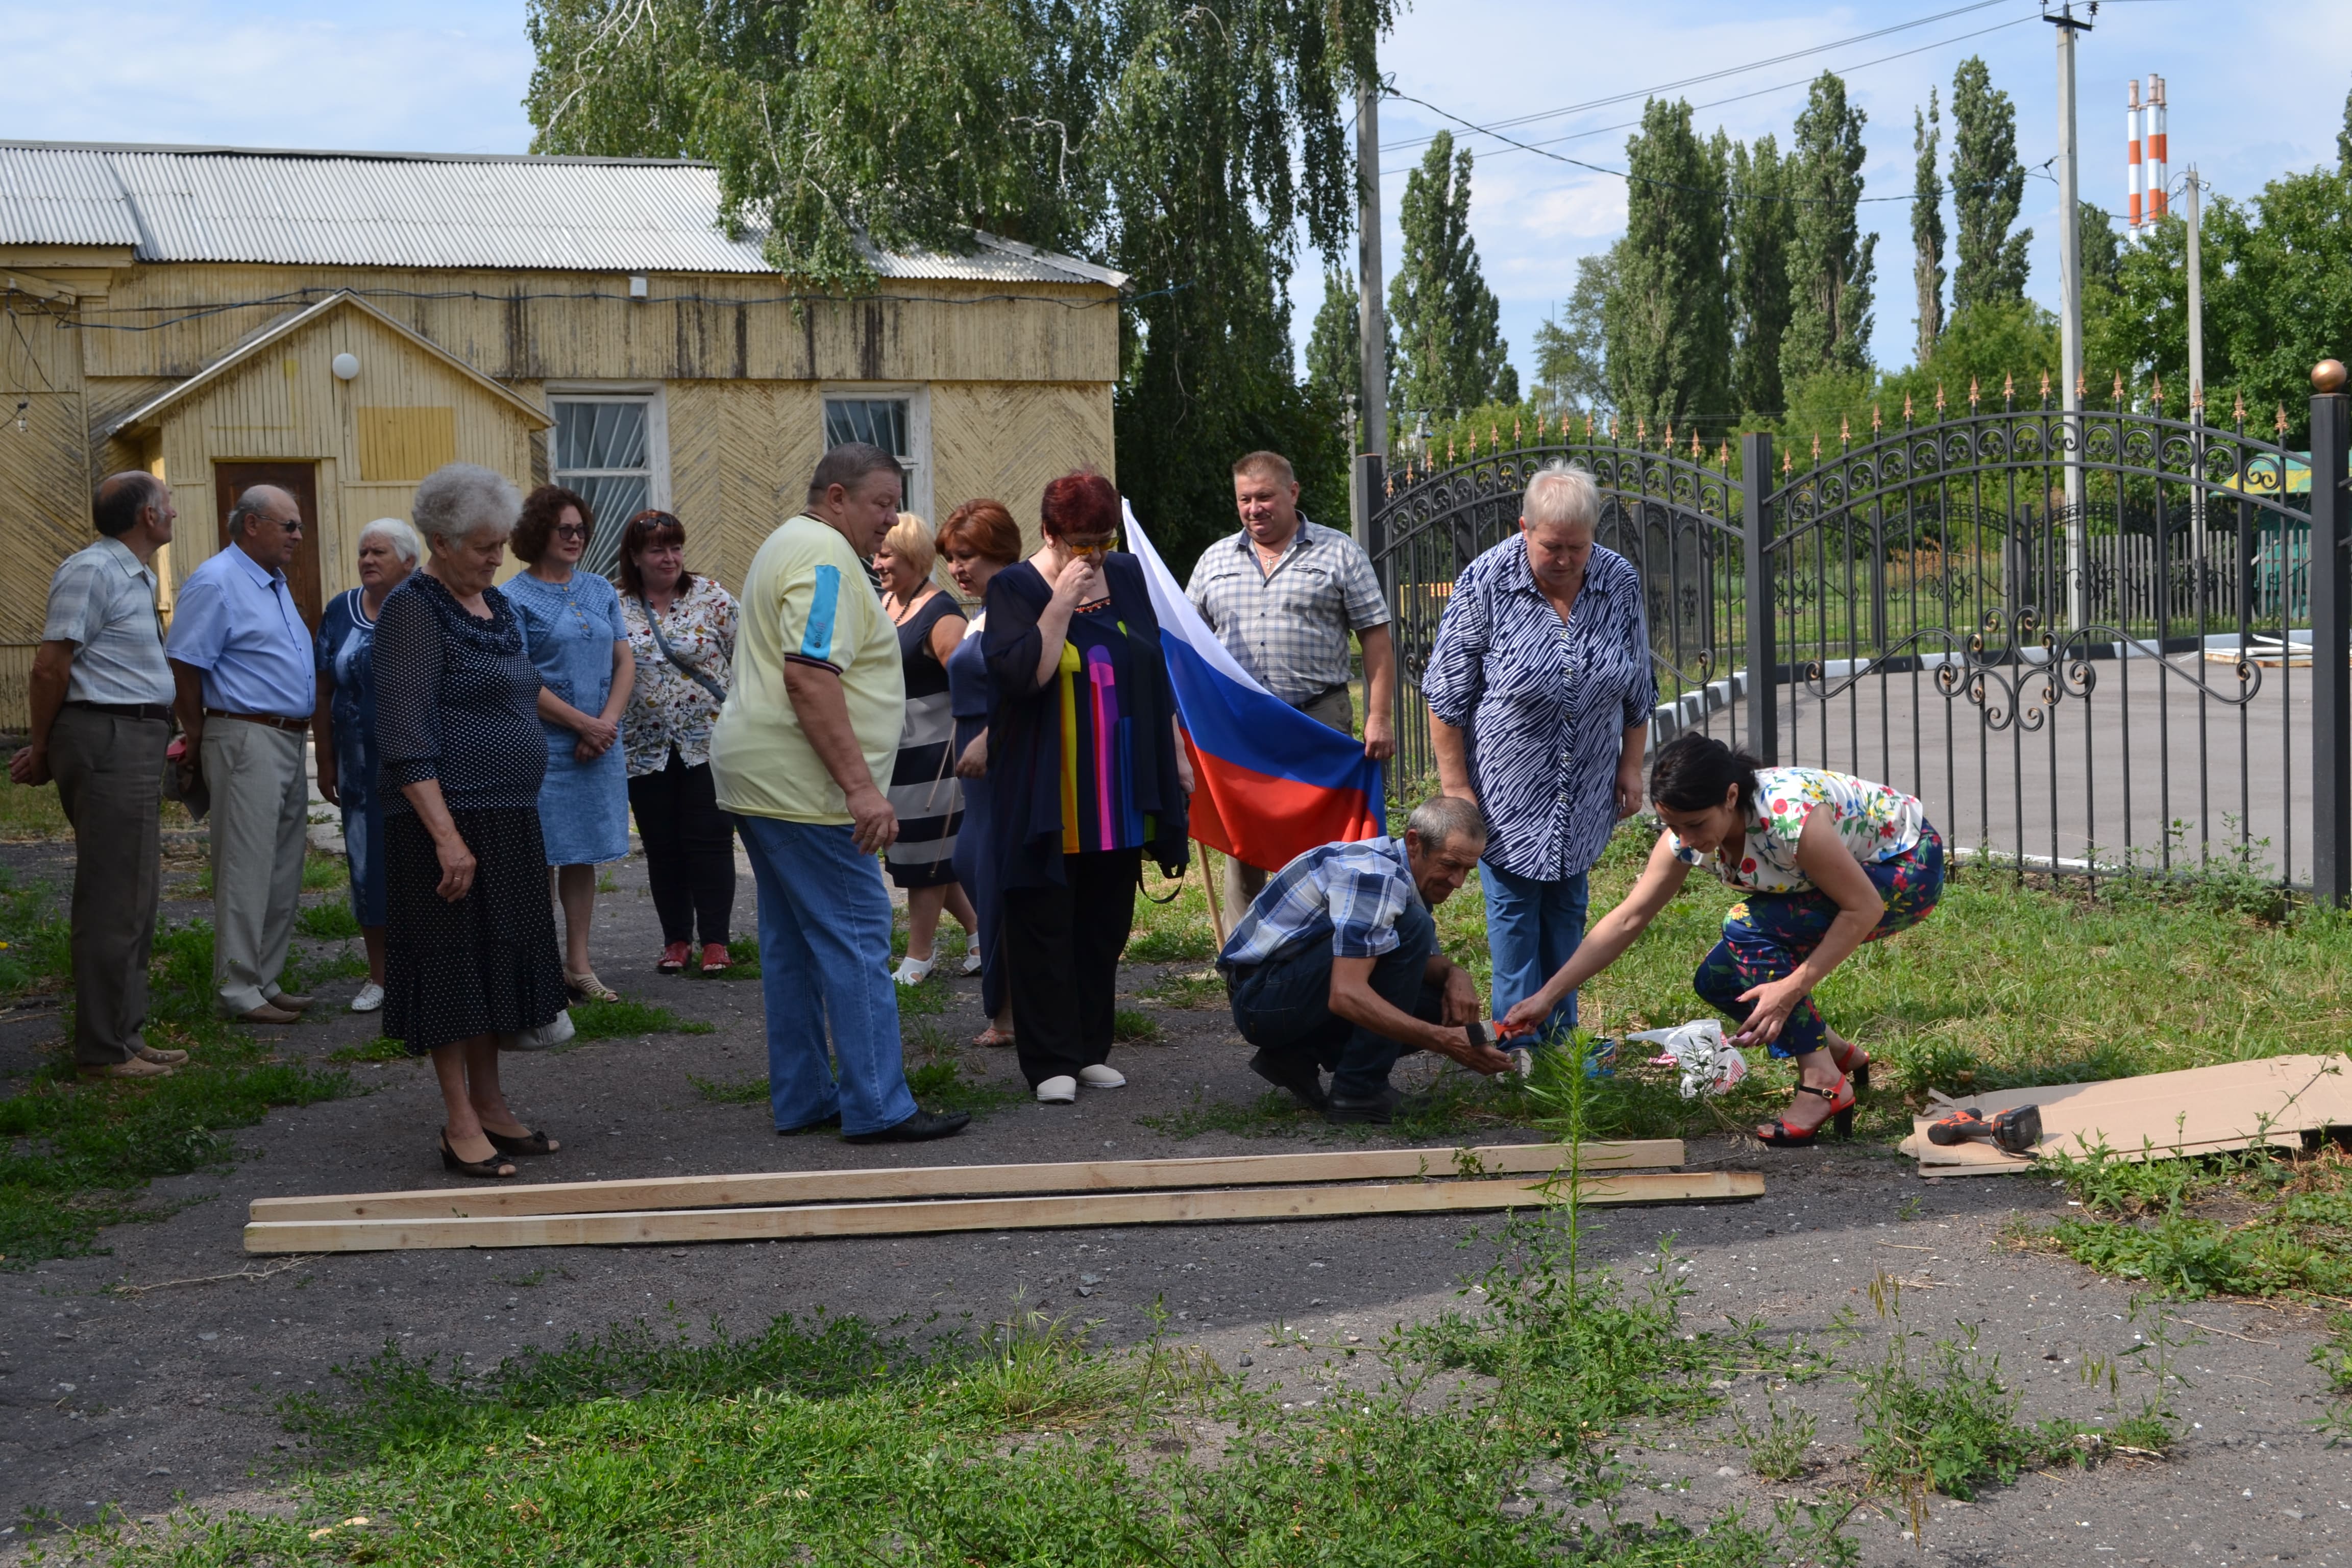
(1279, 819)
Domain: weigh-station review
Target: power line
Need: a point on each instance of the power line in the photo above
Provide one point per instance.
(1717, 75)
(1735, 98)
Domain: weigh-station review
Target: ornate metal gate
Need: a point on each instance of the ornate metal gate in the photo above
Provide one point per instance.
(2086, 641)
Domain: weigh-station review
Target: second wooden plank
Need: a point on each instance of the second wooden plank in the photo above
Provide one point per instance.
(967, 1181)
(915, 1217)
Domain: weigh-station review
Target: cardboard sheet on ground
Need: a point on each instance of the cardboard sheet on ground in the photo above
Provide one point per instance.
(2167, 1114)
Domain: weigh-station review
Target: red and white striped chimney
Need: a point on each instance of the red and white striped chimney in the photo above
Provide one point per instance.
(2159, 175)
(2131, 157)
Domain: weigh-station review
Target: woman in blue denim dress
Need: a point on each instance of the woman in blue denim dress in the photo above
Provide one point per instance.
(574, 631)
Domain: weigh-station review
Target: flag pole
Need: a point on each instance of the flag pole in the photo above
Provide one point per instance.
(1209, 885)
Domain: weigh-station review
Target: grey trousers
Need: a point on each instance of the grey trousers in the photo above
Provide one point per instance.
(110, 774)
(260, 807)
(1333, 710)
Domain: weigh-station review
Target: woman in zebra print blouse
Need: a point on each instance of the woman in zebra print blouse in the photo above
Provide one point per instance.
(1539, 691)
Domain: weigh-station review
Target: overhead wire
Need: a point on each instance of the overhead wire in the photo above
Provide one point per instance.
(1542, 147)
(1646, 93)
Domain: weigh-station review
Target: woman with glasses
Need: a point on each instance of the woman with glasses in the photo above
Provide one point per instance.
(1088, 773)
(682, 630)
(574, 631)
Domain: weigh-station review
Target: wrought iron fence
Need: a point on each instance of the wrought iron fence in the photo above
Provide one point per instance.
(2084, 640)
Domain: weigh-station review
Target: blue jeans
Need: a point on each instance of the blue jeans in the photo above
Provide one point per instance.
(1285, 1007)
(1532, 928)
(824, 954)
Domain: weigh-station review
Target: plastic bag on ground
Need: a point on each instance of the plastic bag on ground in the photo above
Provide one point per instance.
(1709, 1063)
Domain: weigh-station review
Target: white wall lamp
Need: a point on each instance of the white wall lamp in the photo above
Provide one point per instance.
(636, 286)
(346, 366)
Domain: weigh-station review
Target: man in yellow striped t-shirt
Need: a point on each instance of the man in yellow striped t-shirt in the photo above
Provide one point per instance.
(811, 723)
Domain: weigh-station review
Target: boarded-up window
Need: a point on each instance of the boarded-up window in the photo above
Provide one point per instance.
(405, 443)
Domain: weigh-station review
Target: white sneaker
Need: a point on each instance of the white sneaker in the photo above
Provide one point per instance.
(971, 961)
(1101, 1077)
(914, 971)
(369, 998)
(1058, 1090)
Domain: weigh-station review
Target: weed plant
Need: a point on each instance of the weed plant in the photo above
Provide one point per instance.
(1134, 1026)
(1202, 989)
(743, 961)
(330, 921)
(627, 1019)
(1781, 1448)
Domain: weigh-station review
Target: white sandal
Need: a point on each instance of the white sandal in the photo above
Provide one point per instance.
(914, 971)
(971, 960)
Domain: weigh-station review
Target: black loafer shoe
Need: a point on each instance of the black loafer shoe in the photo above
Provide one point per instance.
(1294, 1073)
(919, 1128)
(819, 1125)
(1381, 1110)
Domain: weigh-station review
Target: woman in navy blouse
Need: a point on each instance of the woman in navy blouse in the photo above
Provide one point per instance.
(1539, 691)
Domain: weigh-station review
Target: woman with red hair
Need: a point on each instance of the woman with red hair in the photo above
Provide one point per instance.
(1088, 772)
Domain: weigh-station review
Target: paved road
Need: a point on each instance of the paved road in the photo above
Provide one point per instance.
(2094, 773)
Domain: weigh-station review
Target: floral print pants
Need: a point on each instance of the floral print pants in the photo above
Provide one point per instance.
(1766, 935)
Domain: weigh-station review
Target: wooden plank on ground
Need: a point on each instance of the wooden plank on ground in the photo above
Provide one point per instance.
(920, 1216)
(966, 1181)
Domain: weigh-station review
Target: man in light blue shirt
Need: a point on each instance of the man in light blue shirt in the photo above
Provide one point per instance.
(1337, 965)
(100, 696)
(242, 664)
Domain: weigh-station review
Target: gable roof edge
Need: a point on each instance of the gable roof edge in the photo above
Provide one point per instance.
(223, 367)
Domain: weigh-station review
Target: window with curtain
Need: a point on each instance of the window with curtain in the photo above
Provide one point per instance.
(602, 447)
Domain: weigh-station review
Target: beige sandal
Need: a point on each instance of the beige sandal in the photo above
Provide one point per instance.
(588, 988)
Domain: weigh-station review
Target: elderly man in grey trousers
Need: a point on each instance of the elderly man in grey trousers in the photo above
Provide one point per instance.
(242, 663)
(101, 717)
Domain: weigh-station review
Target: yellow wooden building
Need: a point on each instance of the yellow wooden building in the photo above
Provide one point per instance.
(343, 324)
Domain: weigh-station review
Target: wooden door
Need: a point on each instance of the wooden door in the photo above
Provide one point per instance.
(299, 480)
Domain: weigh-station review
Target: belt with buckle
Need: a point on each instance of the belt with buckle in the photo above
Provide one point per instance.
(273, 720)
(124, 710)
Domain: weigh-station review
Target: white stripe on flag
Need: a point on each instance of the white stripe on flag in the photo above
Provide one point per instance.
(1177, 615)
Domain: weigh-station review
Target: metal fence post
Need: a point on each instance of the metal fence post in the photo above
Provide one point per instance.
(2331, 642)
(1763, 650)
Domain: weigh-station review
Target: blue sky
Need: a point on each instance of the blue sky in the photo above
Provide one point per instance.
(2256, 89)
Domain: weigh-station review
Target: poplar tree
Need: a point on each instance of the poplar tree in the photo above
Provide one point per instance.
(1667, 326)
(1335, 344)
(1928, 228)
(1988, 187)
(1761, 221)
(1830, 262)
(1450, 354)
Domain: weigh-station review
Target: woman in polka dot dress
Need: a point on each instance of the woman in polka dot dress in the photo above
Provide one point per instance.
(1829, 862)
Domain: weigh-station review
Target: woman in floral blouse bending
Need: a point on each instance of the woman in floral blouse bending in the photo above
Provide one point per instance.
(1828, 861)
(682, 630)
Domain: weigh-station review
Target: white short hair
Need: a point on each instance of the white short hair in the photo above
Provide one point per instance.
(396, 534)
(458, 499)
(1561, 495)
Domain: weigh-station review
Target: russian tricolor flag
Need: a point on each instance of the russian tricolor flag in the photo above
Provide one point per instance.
(1270, 783)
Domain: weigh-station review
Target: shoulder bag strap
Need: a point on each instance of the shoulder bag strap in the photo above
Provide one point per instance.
(700, 678)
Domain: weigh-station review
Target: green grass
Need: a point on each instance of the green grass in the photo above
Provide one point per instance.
(625, 1019)
(742, 961)
(1202, 989)
(329, 922)
(378, 1051)
(36, 944)
(1132, 1026)
(321, 869)
(80, 1153)
(2255, 1223)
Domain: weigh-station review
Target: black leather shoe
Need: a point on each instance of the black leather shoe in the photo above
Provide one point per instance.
(819, 1125)
(1298, 1074)
(1381, 1110)
(919, 1128)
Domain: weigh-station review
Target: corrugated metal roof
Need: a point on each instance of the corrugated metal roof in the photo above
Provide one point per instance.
(363, 209)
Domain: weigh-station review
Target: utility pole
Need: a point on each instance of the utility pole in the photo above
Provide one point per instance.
(2190, 209)
(2070, 317)
(1372, 318)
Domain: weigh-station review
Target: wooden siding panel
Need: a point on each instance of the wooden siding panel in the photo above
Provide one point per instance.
(566, 326)
(405, 443)
(1008, 441)
(740, 456)
(44, 477)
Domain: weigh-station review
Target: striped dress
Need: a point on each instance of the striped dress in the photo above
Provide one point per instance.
(924, 790)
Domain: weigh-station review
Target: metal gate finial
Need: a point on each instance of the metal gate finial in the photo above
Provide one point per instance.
(1845, 431)
(1907, 408)
(1875, 422)
(1939, 400)
(2156, 392)
(2279, 426)
(1694, 448)
(1817, 446)
(2046, 387)
(2238, 416)
(2119, 389)
(2008, 388)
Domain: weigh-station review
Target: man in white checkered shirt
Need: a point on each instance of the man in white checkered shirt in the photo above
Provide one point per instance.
(1282, 595)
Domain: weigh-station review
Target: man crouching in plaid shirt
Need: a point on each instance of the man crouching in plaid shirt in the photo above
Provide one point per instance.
(1336, 966)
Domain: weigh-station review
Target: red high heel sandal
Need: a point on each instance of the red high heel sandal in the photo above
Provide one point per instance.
(1841, 1116)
